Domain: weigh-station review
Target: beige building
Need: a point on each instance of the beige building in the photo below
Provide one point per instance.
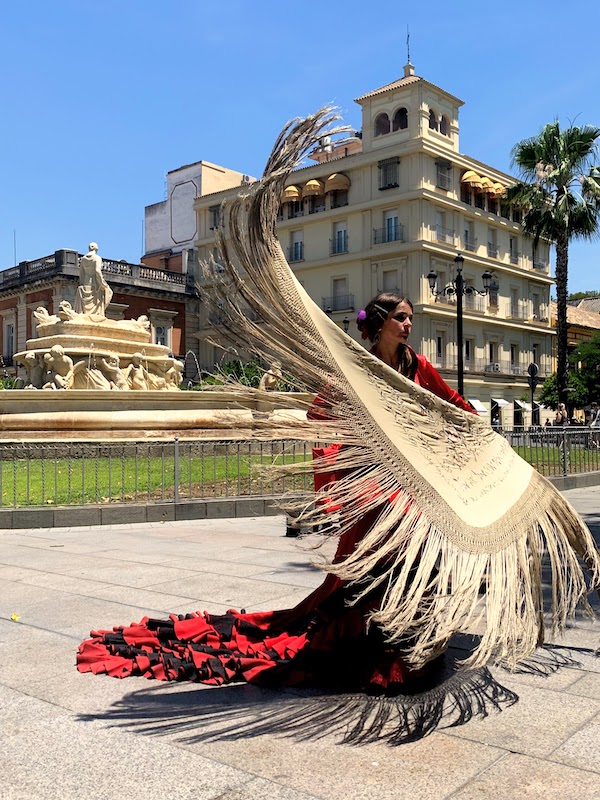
(382, 209)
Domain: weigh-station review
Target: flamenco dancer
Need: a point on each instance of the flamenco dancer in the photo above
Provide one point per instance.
(433, 504)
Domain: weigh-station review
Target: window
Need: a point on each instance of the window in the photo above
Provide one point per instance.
(389, 173)
(442, 233)
(214, 217)
(389, 280)
(445, 126)
(535, 353)
(339, 198)
(516, 215)
(505, 210)
(492, 352)
(339, 243)
(433, 123)
(535, 303)
(514, 358)
(468, 354)
(466, 195)
(400, 120)
(440, 348)
(492, 243)
(514, 303)
(479, 200)
(382, 125)
(8, 349)
(296, 251)
(492, 205)
(295, 209)
(493, 294)
(161, 322)
(391, 226)
(513, 250)
(470, 240)
(161, 335)
(443, 174)
(316, 203)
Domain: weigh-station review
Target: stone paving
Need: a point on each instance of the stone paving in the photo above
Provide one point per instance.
(66, 735)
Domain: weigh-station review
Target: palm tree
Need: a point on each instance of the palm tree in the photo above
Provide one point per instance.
(560, 198)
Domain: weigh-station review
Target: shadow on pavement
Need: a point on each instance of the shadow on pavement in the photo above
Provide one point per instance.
(450, 698)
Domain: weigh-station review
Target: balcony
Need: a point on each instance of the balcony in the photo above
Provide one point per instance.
(492, 250)
(296, 252)
(391, 233)
(342, 302)
(65, 262)
(470, 245)
(540, 265)
(514, 312)
(339, 244)
(474, 302)
(515, 258)
(445, 235)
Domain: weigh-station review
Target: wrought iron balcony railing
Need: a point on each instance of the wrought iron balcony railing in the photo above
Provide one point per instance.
(391, 233)
(343, 302)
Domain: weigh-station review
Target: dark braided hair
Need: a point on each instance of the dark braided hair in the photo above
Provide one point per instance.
(371, 321)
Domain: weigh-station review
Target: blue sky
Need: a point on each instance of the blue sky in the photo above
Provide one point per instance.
(101, 99)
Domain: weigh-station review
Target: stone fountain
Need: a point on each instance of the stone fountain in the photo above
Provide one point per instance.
(80, 354)
(80, 348)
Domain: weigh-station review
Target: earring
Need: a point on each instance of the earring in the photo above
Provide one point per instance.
(376, 338)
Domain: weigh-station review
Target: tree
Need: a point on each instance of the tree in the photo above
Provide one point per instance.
(587, 355)
(591, 294)
(560, 198)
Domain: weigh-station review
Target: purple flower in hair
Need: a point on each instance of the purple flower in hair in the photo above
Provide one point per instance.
(361, 317)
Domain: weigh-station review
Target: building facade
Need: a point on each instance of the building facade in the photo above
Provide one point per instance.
(384, 208)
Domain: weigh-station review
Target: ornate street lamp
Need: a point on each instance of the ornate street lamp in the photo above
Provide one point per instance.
(346, 324)
(459, 288)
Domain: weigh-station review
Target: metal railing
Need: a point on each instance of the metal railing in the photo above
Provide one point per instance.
(390, 233)
(95, 473)
(559, 451)
(340, 302)
(82, 473)
(445, 235)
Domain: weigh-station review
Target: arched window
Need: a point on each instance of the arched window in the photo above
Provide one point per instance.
(433, 123)
(382, 125)
(445, 126)
(400, 120)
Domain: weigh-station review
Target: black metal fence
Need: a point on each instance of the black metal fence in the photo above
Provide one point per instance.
(81, 473)
(97, 473)
(559, 451)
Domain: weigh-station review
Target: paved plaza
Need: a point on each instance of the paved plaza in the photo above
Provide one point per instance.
(67, 735)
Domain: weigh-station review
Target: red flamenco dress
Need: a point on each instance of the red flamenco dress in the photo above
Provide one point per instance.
(321, 642)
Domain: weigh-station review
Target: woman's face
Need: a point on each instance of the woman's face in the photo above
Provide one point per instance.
(396, 329)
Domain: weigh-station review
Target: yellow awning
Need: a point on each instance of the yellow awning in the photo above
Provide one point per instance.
(291, 193)
(472, 178)
(488, 184)
(500, 188)
(313, 187)
(338, 181)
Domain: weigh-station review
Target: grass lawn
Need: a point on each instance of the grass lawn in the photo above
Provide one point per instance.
(76, 481)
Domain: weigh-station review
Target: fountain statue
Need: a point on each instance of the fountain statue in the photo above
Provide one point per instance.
(80, 348)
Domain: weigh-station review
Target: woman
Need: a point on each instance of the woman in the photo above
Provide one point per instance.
(321, 642)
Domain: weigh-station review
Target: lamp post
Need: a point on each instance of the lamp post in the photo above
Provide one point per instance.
(459, 288)
(346, 324)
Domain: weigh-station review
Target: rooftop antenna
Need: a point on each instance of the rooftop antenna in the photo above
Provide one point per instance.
(407, 44)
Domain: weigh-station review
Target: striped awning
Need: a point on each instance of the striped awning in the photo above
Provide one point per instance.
(472, 178)
(337, 182)
(291, 193)
(313, 187)
(500, 402)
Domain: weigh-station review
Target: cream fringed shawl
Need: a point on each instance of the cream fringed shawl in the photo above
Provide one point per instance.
(465, 510)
